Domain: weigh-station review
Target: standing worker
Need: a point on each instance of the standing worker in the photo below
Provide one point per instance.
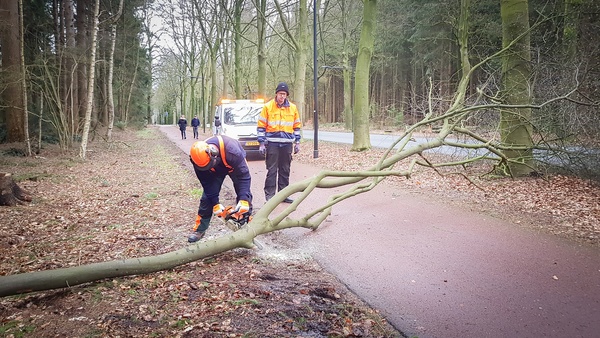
(195, 124)
(278, 134)
(213, 160)
(217, 125)
(182, 126)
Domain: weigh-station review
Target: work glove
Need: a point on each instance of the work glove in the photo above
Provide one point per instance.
(296, 148)
(219, 210)
(242, 207)
(262, 149)
(240, 210)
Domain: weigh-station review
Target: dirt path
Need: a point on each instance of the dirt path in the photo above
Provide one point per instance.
(438, 271)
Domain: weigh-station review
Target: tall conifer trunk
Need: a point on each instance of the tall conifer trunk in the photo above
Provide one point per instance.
(10, 39)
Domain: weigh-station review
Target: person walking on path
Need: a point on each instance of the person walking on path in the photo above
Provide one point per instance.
(195, 124)
(278, 133)
(217, 125)
(213, 160)
(182, 126)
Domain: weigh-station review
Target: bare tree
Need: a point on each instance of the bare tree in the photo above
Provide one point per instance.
(111, 66)
(213, 33)
(151, 45)
(91, 81)
(261, 54)
(69, 93)
(24, 82)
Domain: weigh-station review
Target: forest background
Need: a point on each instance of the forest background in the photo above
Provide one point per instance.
(156, 60)
(74, 70)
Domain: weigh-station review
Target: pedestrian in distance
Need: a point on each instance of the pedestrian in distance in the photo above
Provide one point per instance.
(195, 124)
(214, 159)
(217, 125)
(278, 133)
(182, 126)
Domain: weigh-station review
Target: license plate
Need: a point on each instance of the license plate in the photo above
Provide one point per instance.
(252, 143)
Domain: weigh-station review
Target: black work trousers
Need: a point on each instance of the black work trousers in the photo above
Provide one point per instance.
(278, 160)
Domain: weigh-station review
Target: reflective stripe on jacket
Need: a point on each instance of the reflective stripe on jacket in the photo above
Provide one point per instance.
(279, 124)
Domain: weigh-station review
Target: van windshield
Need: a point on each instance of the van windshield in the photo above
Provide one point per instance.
(244, 115)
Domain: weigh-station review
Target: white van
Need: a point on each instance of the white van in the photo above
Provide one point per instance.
(239, 119)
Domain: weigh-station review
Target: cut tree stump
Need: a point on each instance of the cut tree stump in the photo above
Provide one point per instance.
(10, 193)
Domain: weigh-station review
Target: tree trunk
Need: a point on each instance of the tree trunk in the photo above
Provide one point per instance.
(69, 98)
(127, 100)
(515, 125)
(110, 100)
(570, 30)
(24, 81)
(12, 96)
(237, 47)
(10, 193)
(346, 72)
(91, 80)
(361, 86)
(111, 66)
(463, 39)
(85, 21)
(301, 56)
(261, 54)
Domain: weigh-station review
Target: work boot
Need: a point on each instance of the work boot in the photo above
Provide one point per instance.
(288, 200)
(196, 236)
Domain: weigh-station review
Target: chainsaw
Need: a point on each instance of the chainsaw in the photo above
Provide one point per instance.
(238, 219)
(235, 221)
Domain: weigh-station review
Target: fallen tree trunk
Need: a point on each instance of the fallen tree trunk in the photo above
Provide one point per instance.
(10, 193)
(68, 277)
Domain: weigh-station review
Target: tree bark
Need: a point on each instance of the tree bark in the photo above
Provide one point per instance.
(24, 81)
(515, 123)
(91, 81)
(12, 96)
(10, 193)
(261, 54)
(111, 66)
(361, 87)
(69, 91)
(346, 72)
(237, 48)
(84, 23)
(570, 30)
(301, 56)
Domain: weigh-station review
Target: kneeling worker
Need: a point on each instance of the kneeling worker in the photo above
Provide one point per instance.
(213, 160)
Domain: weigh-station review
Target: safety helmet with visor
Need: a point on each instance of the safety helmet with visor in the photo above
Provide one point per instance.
(205, 156)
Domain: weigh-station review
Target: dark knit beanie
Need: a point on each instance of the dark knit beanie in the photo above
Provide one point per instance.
(282, 87)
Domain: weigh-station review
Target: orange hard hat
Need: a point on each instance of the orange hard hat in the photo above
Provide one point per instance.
(204, 155)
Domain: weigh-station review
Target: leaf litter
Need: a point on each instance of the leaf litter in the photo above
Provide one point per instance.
(130, 200)
(133, 198)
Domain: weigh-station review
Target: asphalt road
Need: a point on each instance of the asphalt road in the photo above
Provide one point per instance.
(386, 140)
(438, 271)
(573, 158)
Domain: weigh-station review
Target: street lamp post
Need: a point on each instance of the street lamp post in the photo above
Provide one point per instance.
(315, 83)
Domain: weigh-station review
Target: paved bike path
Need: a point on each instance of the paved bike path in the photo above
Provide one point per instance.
(437, 271)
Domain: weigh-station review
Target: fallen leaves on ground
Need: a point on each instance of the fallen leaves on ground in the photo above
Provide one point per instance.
(132, 198)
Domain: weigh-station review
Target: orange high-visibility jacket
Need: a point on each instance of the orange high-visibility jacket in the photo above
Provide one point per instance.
(279, 124)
